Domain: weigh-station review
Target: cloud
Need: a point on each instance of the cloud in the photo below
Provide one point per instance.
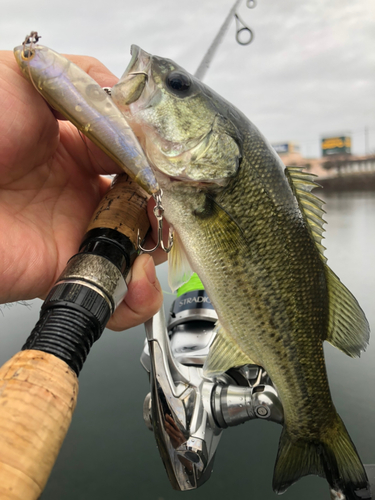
(309, 70)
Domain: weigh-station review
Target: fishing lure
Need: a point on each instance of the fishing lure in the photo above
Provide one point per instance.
(80, 99)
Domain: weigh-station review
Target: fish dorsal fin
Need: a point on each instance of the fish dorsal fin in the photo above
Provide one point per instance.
(302, 183)
(179, 270)
(224, 354)
(348, 329)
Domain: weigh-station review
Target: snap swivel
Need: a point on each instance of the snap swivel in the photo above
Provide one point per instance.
(159, 214)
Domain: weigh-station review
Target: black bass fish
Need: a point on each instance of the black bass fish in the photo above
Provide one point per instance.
(252, 230)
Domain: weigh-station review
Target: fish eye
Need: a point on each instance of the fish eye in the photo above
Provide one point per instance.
(178, 82)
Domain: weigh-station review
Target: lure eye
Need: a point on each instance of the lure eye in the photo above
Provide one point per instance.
(178, 82)
(27, 54)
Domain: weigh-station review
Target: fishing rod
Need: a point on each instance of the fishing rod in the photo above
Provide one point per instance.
(39, 385)
(241, 30)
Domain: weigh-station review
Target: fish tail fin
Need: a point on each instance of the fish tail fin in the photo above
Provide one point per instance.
(295, 459)
(333, 457)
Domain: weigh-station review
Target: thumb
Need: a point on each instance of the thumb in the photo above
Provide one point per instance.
(144, 297)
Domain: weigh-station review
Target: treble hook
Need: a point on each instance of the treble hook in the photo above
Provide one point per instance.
(159, 213)
(251, 4)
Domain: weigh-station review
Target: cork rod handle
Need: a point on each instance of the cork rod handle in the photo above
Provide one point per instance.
(38, 391)
(124, 209)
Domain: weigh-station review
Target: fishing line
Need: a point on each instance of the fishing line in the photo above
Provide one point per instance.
(93, 159)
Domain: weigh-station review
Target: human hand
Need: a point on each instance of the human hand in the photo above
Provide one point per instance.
(50, 184)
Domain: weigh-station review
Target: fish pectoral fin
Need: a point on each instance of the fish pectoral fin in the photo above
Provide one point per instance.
(179, 270)
(348, 328)
(224, 354)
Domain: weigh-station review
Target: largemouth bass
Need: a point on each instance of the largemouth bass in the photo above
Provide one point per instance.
(252, 231)
(72, 92)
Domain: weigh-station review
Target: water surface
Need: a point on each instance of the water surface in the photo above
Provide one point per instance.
(110, 454)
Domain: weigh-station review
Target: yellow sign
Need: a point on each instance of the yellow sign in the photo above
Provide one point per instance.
(336, 145)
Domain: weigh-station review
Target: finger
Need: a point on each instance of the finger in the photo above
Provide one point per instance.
(94, 68)
(144, 297)
(89, 156)
(28, 130)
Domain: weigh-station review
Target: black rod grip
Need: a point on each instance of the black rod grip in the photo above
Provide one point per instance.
(72, 318)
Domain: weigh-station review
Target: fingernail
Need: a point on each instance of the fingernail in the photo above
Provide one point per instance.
(150, 270)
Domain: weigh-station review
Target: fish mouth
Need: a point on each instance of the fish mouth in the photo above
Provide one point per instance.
(136, 91)
(134, 80)
(139, 62)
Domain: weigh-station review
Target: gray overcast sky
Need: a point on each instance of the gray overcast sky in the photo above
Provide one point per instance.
(310, 70)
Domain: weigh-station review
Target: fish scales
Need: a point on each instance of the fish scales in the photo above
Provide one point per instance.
(252, 232)
(257, 286)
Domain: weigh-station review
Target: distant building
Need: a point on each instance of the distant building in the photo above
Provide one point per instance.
(289, 152)
(344, 164)
(335, 161)
(286, 148)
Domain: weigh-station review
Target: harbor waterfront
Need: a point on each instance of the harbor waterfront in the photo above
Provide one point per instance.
(356, 181)
(109, 453)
